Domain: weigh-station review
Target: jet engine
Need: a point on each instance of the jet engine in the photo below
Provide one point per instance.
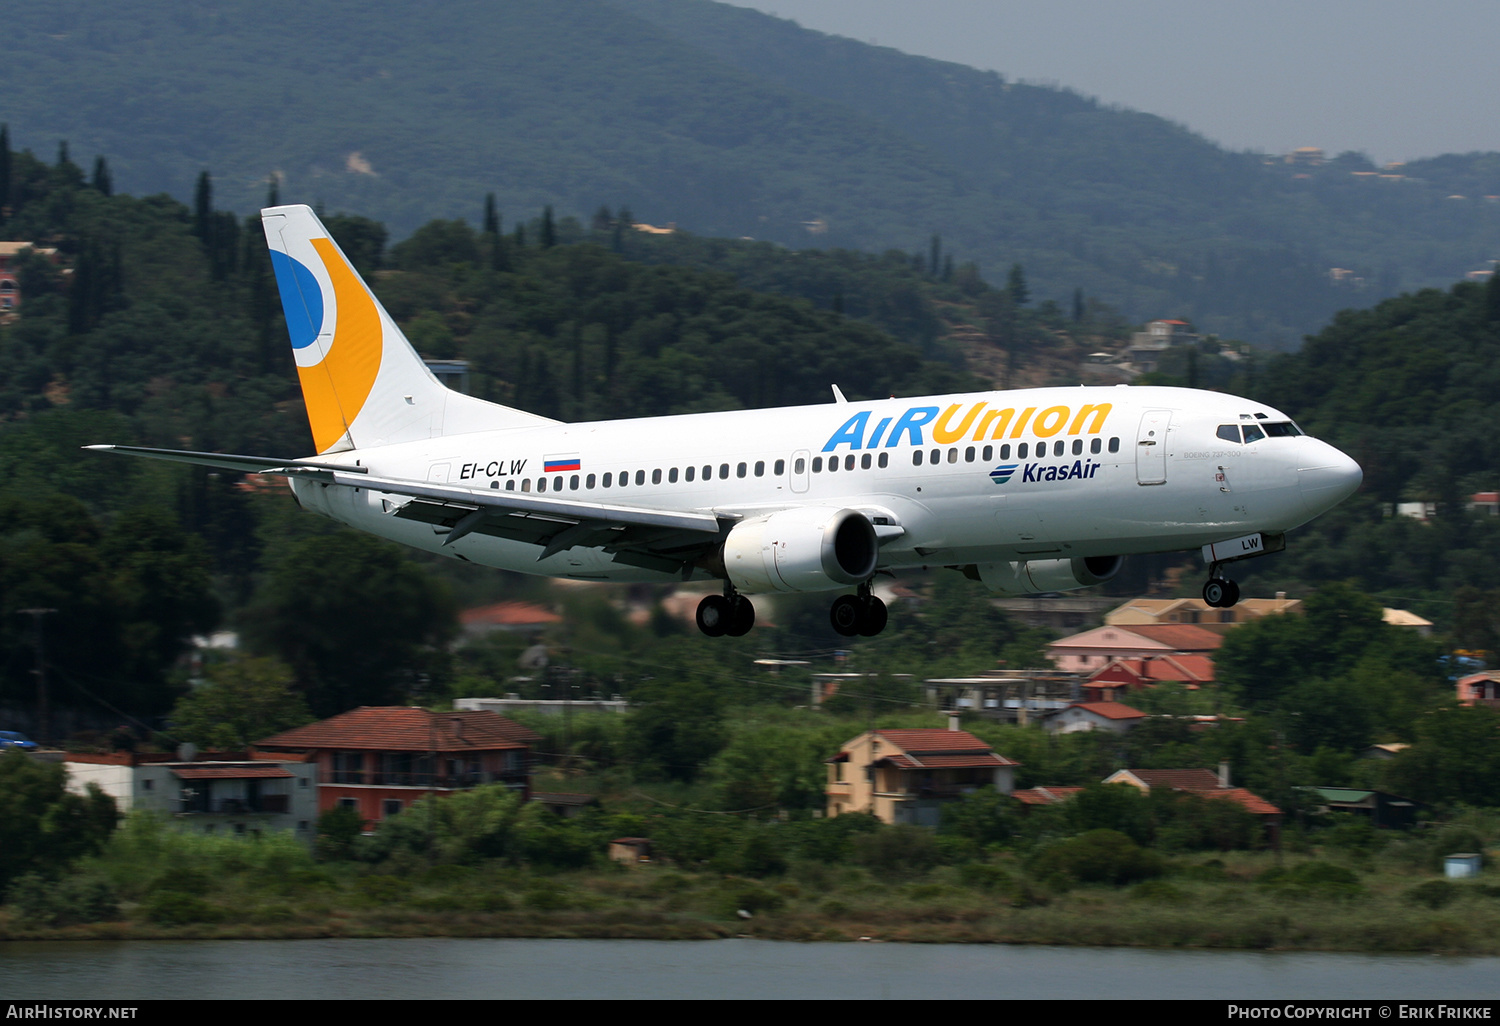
(1038, 575)
(814, 548)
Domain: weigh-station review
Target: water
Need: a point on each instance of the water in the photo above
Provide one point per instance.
(733, 969)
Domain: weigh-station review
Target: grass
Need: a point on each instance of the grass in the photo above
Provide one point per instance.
(1203, 903)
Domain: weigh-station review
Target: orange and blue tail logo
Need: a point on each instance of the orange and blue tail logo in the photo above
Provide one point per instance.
(334, 322)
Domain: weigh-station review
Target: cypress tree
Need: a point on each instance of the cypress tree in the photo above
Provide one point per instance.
(103, 182)
(203, 206)
(62, 154)
(491, 215)
(1015, 284)
(549, 231)
(1078, 306)
(273, 193)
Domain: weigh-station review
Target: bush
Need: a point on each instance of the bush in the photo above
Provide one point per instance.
(1099, 856)
(1313, 880)
(76, 899)
(898, 851)
(1433, 894)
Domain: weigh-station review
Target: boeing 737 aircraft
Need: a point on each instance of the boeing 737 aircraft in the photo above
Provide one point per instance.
(1026, 491)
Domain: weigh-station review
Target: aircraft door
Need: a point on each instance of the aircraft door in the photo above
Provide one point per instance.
(1151, 448)
(800, 460)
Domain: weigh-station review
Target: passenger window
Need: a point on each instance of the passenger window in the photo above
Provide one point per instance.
(510, 486)
(989, 453)
(573, 483)
(760, 468)
(885, 459)
(1005, 451)
(640, 477)
(708, 473)
(1078, 447)
(526, 485)
(723, 471)
(608, 479)
(916, 457)
(1253, 433)
(1021, 451)
(672, 476)
(588, 482)
(541, 484)
(817, 465)
(849, 462)
(1114, 444)
(780, 468)
(624, 478)
(1057, 447)
(953, 455)
(936, 457)
(969, 454)
(799, 466)
(739, 471)
(689, 473)
(1230, 433)
(833, 464)
(864, 462)
(557, 483)
(656, 476)
(1095, 445)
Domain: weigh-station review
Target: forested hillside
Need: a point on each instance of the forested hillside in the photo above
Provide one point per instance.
(729, 123)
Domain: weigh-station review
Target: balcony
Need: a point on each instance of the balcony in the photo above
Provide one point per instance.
(266, 804)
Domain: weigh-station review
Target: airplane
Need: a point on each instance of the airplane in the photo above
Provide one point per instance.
(1025, 491)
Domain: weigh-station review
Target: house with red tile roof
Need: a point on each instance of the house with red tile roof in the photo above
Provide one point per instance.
(1095, 649)
(905, 776)
(1134, 674)
(1201, 783)
(1044, 795)
(380, 759)
(507, 616)
(1115, 717)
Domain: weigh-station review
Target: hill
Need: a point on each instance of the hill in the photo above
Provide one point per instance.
(732, 123)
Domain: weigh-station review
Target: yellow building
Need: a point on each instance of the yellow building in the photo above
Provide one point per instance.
(905, 776)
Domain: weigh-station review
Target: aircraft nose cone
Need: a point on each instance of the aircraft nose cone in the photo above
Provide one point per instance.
(1326, 477)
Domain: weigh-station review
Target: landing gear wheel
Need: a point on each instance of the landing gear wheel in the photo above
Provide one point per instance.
(845, 615)
(714, 615)
(872, 617)
(741, 617)
(1221, 593)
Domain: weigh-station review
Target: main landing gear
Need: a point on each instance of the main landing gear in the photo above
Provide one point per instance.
(862, 614)
(1220, 592)
(730, 613)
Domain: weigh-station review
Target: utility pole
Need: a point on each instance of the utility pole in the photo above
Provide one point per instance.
(43, 726)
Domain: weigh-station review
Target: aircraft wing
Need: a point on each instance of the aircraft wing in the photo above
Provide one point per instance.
(670, 541)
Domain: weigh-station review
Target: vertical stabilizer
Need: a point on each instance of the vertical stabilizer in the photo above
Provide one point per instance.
(363, 383)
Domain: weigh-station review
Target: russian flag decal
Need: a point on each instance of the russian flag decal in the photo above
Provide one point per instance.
(560, 464)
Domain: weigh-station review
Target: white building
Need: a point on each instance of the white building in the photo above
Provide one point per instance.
(214, 794)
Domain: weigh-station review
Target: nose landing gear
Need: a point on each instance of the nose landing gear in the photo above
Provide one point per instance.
(730, 613)
(862, 614)
(1220, 592)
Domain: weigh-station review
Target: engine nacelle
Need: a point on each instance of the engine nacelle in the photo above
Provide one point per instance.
(807, 549)
(1039, 575)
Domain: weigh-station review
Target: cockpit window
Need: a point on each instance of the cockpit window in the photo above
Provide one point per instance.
(1253, 433)
(1282, 429)
(1230, 433)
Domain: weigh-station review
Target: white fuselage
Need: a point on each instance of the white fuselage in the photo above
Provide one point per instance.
(1140, 470)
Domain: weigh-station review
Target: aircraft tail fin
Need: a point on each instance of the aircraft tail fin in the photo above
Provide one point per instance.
(362, 381)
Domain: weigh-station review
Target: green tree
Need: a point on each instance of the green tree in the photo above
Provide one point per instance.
(43, 826)
(241, 701)
(674, 728)
(357, 623)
